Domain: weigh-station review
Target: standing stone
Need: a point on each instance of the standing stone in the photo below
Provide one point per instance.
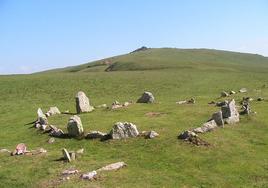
(41, 117)
(124, 130)
(82, 103)
(66, 155)
(147, 97)
(217, 117)
(230, 113)
(75, 127)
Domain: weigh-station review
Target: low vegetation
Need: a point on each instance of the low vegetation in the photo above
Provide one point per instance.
(236, 157)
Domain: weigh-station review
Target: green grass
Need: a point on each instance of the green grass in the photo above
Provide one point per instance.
(237, 157)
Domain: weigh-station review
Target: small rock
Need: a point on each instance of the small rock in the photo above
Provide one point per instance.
(114, 166)
(260, 99)
(69, 172)
(116, 103)
(220, 104)
(80, 151)
(243, 90)
(20, 149)
(102, 106)
(151, 134)
(38, 151)
(181, 102)
(53, 111)
(232, 92)
(116, 106)
(72, 155)
(126, 104)
(51, 140)
(54, 131)
(246, 109)
(191, 101)
(147, 97)
(224, 94)
(89, 175)
(186, 135)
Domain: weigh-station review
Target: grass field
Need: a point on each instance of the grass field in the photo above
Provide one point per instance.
(237, 157)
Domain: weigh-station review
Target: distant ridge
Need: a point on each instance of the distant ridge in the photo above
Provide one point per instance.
(144, 59)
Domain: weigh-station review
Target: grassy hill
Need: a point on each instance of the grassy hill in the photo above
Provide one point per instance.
(172, 58)
(237, 156)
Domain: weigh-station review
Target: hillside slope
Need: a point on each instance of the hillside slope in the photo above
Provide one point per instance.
(172, 58)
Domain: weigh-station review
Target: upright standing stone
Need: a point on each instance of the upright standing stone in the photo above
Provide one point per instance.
(82, 103)
(217, 117)
(230, 113)
(41, 117)
(147, 97)
(75, 127)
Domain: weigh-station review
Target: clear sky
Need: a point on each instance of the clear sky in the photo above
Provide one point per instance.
(42, 34)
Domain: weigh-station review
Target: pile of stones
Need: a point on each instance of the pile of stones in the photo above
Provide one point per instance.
(227, 115)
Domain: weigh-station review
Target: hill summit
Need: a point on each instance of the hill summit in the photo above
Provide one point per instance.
(145, 58)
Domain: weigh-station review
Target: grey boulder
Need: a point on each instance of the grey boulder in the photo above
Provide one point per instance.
(124, 130)
(82, 103)
(147, 97)
(75, 127)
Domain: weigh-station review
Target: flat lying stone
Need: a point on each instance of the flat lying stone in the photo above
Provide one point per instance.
(95, 135)
(69, 172)
(113, 166)
(89, 175)
(208, 126)
(243, 90)
(55, 132)
(4, 150)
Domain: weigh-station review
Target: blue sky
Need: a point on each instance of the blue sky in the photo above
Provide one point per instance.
(37, 35)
